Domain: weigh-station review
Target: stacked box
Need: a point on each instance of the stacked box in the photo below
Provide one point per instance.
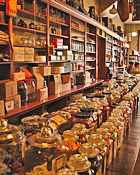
(8, 89)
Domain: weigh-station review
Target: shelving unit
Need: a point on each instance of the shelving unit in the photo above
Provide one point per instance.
(39, 24)
(28, 30)
(37, 104)
(90, 53)
(5, 46)
(29, 33)
(78, 50)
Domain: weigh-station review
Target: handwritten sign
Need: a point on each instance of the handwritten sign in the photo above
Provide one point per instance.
(11, 7)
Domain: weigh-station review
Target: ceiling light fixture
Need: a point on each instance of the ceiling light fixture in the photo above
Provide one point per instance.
(113, 11)
(134, 34)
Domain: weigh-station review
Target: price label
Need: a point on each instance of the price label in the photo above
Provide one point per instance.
(11, 7)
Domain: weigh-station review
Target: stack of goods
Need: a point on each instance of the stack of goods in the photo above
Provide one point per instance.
(88, 139)
(4, 38)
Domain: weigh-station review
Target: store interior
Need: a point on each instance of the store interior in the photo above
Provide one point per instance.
(69, 87)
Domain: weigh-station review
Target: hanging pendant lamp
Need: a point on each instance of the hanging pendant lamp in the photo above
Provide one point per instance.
(113, 11)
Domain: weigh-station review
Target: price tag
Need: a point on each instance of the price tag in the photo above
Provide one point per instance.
(11, 7)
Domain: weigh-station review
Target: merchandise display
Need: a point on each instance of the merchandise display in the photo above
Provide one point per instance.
(89, 146)
(68, 85)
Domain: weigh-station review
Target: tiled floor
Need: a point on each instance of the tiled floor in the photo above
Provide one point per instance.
(128, 160)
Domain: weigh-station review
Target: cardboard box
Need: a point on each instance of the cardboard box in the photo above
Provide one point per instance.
(66, 87)
(54, 85)
(57, 70)
(51, 87)
(8, 89)
(9, 105)
(39, 78)
(2, 109)
(46, 70)
(17, 101)
(40, 58)
(18, 76)
(39, 81)
(28, 54)
(58, 84)
(18, 53)
(43, 94)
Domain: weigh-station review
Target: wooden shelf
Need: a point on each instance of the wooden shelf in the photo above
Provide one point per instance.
(8, 62)
(60, 49)
(88, 33)
(75, 13)
(16, 45)
(59, 61)
(59, 23)
(91, 36)
(29, 62)
(78, 71)
(26, 12)
(90, 52)
(77, 51)
(61, 36)
(74, 39)
(4, 43)
(91, 60)
(88, 42)
(32, 106)
(4, 81)
(75, 61)
(93, 68)
(77, 30)
(66, 72)
(24, 109)
(29, 30)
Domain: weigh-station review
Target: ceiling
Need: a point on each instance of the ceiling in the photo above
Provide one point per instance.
(105, 12)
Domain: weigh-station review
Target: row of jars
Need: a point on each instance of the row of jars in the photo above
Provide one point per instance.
(80, 140)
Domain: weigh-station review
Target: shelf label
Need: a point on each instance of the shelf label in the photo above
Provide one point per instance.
(11, 7)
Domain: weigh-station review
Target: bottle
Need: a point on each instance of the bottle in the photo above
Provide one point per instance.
(31, 90)
(23, 92)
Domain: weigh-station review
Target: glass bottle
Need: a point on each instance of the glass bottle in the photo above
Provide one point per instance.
(23, 92)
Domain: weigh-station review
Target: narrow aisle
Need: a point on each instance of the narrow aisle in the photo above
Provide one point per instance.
(127, 155)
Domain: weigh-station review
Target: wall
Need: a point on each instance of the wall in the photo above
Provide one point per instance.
(129, 28)
(94, 3)
(116, 20)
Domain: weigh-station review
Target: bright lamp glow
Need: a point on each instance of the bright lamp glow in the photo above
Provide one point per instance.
(134, 34)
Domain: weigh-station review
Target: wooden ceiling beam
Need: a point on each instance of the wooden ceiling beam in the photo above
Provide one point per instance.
(104, 4)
